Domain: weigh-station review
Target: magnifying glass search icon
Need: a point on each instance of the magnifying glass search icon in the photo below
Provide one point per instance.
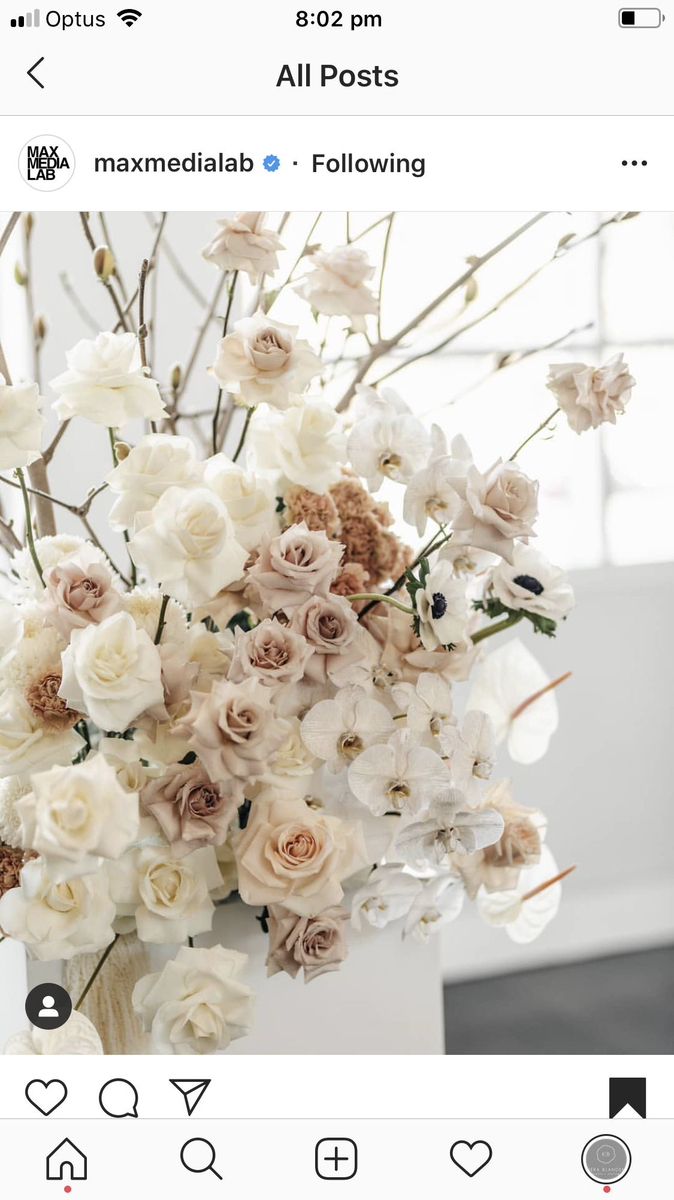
(198, 1155)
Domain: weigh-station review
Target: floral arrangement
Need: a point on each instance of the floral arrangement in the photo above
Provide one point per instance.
(260, 699)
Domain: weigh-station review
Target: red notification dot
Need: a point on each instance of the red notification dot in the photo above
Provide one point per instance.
(69, 1189)
(607, 1189)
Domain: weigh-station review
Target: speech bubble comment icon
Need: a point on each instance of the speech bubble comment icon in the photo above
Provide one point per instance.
(119, 1098)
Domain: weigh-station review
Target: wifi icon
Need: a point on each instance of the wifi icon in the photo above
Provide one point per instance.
(129, 16)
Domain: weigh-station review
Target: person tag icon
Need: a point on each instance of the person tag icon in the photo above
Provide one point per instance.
(48, 1006)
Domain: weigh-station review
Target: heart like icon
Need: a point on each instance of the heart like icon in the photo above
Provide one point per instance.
(47, 1096)
(470, 1157)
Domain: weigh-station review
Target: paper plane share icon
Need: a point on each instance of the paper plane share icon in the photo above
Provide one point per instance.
(191, 1090)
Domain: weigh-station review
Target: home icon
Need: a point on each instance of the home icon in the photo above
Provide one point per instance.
(66, 1162)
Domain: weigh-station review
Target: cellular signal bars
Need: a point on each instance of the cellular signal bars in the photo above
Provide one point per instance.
(30, 21)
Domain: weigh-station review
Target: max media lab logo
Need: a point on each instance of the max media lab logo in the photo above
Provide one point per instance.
(46, 162)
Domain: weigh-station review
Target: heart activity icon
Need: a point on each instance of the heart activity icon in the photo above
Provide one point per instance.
(470, 1157)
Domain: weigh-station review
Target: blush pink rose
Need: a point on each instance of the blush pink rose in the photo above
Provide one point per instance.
(299, 563)
(191, 810)
(314, 945)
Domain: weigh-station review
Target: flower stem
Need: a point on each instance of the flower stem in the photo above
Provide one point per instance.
(125, 535)
(543, 887)
(499, 627)
(537, 695)
(215, 432)
(29, 524)
(95, 973)
(162, 619)
(377, 599)
(244, 431)
(544, 424)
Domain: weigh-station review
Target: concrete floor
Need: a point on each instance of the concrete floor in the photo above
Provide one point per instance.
(621, 1005)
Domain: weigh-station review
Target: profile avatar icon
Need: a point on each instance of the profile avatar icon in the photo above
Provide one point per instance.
(49, 1009)
(48, 1006)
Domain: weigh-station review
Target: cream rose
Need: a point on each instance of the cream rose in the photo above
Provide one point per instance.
(294, 566)
(243, 244)
(76, 816)
(112, 671)
(292, 855)
(21, 424)
(342, 649)
(265, 362)
(306, 444)
(106, 384)
(314, 945)
(249, 500)
(170, 893)
(589, 396)
(271, 652)
(159, 461)
(337, 284)
(197, 1004)
(188, 547)
(58, 920)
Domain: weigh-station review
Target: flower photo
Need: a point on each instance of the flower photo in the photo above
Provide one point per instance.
(297, 515)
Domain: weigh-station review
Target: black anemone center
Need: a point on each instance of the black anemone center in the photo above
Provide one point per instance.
(439, 606)
(528, 582)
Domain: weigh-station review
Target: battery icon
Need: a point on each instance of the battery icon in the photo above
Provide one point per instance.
(640, 18)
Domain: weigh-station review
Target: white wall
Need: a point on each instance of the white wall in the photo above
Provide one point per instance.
(606, 782)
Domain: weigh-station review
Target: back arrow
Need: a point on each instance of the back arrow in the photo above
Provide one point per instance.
(30, 70)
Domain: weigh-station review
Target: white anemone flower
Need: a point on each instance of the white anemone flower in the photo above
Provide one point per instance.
(532, 584)
(514, 690)
(442, 608)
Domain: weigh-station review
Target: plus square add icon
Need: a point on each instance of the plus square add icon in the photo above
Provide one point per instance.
(336, 1158)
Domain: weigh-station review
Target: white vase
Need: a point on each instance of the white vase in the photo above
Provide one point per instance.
(385, 999)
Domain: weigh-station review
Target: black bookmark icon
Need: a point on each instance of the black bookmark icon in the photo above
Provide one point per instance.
(627, 1093)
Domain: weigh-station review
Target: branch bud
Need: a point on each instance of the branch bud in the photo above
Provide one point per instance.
(104, 263)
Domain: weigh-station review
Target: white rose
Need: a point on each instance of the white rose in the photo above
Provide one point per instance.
(158, 462)
(167, 895)
(58, 920)
(265, 361)
(249, 500)
(197, 1003)
(337, 285)
(243, 244)
(188, 546)
(76, 816)
(590, 396)
(21, 424)
(306, 444)
(113, 672)
(105, 383)
(77, 1036)
(27, 743)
